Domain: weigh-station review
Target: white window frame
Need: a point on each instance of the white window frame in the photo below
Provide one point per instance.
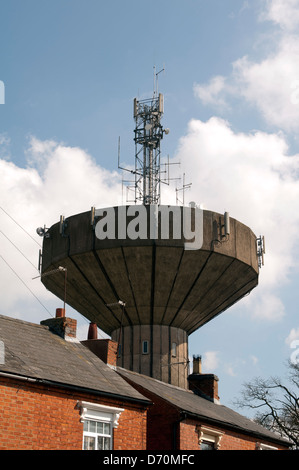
(99, 413)
(209, 435)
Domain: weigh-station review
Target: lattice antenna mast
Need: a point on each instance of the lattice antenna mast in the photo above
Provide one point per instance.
(148, 135)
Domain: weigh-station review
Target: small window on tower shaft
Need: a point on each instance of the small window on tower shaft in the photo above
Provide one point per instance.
(173, 349)
(144, 347)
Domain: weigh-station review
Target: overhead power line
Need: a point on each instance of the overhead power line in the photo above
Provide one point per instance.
(18, 249)
(20, 226)
(23, 282)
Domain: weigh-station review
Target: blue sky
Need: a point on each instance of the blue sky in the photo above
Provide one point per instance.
(71, 67)
(71, 70)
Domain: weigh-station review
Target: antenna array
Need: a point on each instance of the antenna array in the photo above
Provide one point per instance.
(148, 134)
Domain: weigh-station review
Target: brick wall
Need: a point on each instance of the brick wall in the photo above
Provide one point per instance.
(189, 438)
(131, 432)
(188, 435)
(62, 326)
(162, 422)
(33, 417)
(162, 426)
(105, 349)
(234, 441)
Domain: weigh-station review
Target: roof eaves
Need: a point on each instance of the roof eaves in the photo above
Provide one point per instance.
(129, 375)
(235, 427)
(144, 402)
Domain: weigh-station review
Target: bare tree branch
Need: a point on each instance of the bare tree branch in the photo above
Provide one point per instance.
(277, 405)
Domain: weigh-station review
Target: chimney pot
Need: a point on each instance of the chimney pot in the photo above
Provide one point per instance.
(92, 331)
(60, 312)
(196, 364)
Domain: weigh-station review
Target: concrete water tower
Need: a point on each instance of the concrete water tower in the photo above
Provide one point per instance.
(150, 275)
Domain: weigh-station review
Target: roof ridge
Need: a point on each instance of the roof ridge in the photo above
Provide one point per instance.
(154, 380)
(19, 320)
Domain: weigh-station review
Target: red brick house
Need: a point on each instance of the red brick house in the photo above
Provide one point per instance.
(58, 393)
(195, 421)
(192, 419)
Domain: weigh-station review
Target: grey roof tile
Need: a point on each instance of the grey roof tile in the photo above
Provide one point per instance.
(195, 405)
(31, 350)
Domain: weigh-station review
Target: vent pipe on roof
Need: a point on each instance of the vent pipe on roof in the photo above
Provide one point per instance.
(92, 331)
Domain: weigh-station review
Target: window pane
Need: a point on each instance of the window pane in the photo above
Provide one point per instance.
(106, 428)
(89, 443)
(100, 428)
(100, 443)
(103, 443)
(92, 426)
(97, 435)
(107, 443)
(206, 445)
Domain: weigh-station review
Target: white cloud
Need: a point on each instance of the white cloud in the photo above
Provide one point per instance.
(212, 93)
(245, 6)
(230, 370)
(210, 361)
(253, 178)
(270, 85)
(71, 178)
(284, 13)
(254, 359)
(59, 180)
(252, 175)
(267, 306)
(4, 146)
(293, 336)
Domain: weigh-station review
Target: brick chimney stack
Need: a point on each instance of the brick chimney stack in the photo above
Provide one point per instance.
(105, 349)
(205, 385)
(62, 325)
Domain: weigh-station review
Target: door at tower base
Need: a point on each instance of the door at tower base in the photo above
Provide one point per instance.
(158, 351)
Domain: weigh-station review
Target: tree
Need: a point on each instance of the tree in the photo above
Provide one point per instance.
(277, 405)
